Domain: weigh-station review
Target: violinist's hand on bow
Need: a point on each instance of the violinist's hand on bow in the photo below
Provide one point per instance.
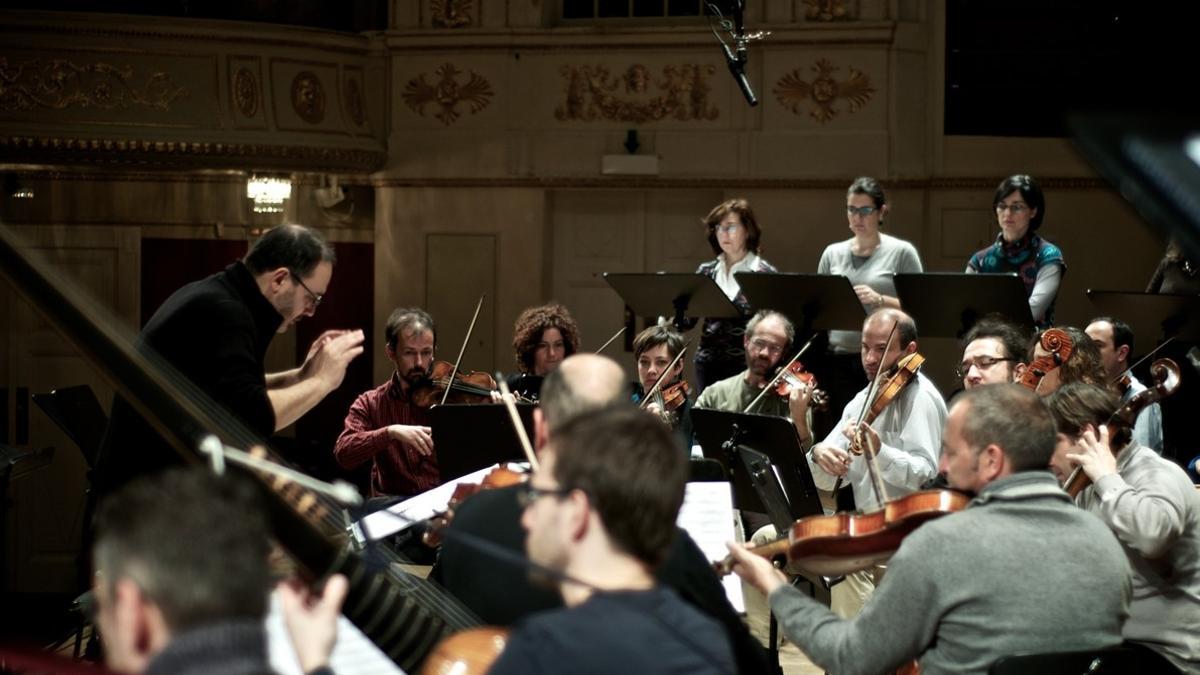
(832, 460)
(755, 570)
(1094, 453)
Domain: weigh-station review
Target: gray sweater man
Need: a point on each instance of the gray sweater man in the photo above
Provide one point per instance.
(1020, 570)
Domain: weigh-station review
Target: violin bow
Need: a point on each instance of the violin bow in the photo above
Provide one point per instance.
(775, 380)
(507, 399)
(1142, 360)
(658, 383)
(462, 349)
(610, 340)
(862, 414)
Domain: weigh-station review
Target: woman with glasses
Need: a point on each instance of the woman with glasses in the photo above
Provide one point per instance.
(869, 259)
(734, 236)
(1019, 207)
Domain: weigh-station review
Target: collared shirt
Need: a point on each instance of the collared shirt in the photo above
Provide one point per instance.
(1147, 428)
(396, 469)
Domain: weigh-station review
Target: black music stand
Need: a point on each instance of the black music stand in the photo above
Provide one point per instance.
(947, 304)
(812, 301)
(677, 295)
(467, 437)
(1152, 314)
(721, 433)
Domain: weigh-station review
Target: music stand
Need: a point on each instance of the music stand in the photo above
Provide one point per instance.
(1163, 316)
(773, 436)
(675, 294)
(812, 301)
(947, 304)
(468, 437)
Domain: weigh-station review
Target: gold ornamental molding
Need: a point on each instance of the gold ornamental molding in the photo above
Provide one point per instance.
(792, 91)
(308, 97)
(593, 93)
(60, 84)
(450, 13)
(826, 10)
(52, 149)
(245, 92)
(446, 93)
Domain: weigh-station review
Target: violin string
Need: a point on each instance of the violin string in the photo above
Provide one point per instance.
(779, 375)
(867, 404)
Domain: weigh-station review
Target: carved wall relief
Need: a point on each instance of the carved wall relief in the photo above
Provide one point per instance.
(827, 10)
(354, 102)
(591, 94)
(450, 13)
(308, 97)
(447, 93)
(59, 84)
(245, 92)
(824, 91)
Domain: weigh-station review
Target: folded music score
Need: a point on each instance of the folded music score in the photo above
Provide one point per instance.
(707, 515)
(353, 652)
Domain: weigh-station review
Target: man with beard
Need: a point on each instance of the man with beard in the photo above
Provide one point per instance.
(384, 425)
(907, 436)
(768, 336)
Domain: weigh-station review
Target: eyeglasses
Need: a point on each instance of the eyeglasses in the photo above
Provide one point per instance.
(982, 363)
(861, 211)
(315, 297)
(761, 345)
(729, 228)
(529, 494)
(1016, 208)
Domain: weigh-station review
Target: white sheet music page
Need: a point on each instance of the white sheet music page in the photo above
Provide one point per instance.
(405, 514)
(353, 652)
(707, 515)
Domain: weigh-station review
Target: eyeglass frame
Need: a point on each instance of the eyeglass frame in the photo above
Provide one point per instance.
(759, 344)
(861, 211)
(728, 228)
(1016, 208)
(316, 298)
(960, 372)
(528, 494)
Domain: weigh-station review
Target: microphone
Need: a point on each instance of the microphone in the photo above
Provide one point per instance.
(736, 58)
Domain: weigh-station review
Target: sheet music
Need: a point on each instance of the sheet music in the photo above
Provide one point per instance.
(353, 652)
(401, 516)
(707, 515)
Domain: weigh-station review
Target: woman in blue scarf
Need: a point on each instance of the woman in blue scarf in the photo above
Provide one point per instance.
(1020, 206)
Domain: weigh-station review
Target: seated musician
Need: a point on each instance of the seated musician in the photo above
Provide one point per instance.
(1152, 507)
(500, 592)
(165, 606)
(542, 337)
(600, 518)
(384, 426)
(908, 435)
(1114, 339)
(768, 337)
(994, 349)
(1081, 365)
(1021, 570)
(655, 349)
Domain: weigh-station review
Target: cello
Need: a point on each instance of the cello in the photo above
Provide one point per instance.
(1041, 375)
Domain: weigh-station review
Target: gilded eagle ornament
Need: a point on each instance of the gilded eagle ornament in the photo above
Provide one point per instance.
(824, 91)
(446, 94)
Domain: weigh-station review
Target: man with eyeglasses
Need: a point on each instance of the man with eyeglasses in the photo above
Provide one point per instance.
(907, 435)
(216, 332)
(994, 348)
(599, 516)
(384, 426)
(769, 334)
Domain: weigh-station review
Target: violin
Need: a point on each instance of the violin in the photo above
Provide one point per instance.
(843, 543)
(470, 386)
(498, 477)
(903, 372)
(1040, 375)
(796, 377)
(675, 395)
(1166, 382)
